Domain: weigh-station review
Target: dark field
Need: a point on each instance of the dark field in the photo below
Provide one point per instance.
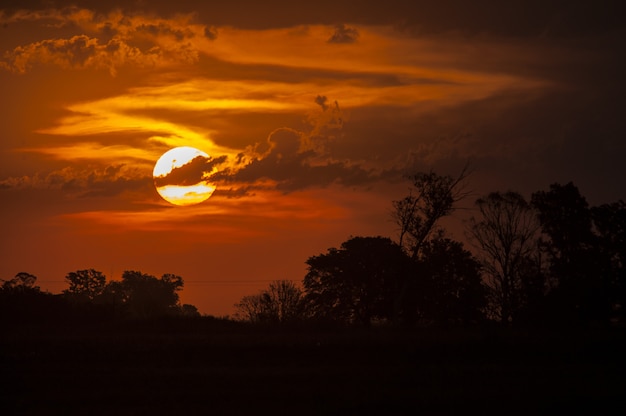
(212, 367)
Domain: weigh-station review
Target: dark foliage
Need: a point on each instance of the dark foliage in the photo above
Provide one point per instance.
(357, 282)
(585, 265)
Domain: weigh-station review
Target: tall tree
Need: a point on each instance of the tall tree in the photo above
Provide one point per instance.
(610, 224)
(357, 282)
(431, 198)
(571, 248)
(506, 232)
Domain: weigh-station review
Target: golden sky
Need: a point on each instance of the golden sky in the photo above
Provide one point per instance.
(311, 115)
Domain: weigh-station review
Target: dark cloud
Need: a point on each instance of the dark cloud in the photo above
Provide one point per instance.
(105, 40)
(191, 173)
(162, 28)
(292, 168)
(344, 34)
(84, 182)
(210, 32)
(511, 18)
(78, 52)
(280, 73)
(321, 101)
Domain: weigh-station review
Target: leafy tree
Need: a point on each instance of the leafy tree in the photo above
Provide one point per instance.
(610, 223)
(281, 302)
(452, 290)
(85, 285)
(141, 295)
(580, 291)
(21, 301)
(22, 282)
(506, 234)
(357, 282)
(189, 311)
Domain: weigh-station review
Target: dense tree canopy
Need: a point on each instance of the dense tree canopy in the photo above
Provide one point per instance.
(357, 282)
(452, 290)
(583, 248)
(85, 285)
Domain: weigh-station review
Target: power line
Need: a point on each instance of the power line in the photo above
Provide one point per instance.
(203, 281)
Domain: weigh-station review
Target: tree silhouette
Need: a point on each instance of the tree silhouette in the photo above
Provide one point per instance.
(432, 197)
(580, 290)
(451, 289)
(189, 311)
(85, 285)
(22, 282)
(140, 295)
(281, 302)
(610, 222)
(506, 234)
(21, 301)
(356, 283)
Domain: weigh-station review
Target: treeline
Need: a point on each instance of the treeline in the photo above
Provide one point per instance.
(90, 297)
(550, 260)
(553, 260)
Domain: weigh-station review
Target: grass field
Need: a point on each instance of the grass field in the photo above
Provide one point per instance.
(209, 367)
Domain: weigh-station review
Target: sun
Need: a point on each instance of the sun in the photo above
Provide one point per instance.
(180, 176)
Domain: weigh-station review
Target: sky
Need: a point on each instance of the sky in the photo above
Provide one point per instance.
(312, 114)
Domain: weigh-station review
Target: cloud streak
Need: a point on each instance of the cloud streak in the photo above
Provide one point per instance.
(344, 34)
(105, 181)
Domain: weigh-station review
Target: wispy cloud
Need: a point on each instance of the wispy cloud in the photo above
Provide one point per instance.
(90, 181)
(344, 34)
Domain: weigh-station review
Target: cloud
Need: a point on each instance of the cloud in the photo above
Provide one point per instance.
(95, 182)
(291, 160)
(78, 52)
(108, 41)
(344, 34)
(321, 101)
(195, 171)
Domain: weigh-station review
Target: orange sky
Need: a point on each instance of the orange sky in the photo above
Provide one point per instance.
(312, 116)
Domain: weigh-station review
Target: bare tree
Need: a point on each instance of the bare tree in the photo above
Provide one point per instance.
(507, 235)
(432, 197)
(281, 302)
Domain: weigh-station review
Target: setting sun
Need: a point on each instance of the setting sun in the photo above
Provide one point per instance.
(179, 176)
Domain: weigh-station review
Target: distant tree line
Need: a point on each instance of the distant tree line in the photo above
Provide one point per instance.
(551, 260)
(89, 296)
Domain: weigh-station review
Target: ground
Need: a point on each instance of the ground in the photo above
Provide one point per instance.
(206, 366)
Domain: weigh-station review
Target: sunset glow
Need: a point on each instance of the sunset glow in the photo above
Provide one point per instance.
(282, 129)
